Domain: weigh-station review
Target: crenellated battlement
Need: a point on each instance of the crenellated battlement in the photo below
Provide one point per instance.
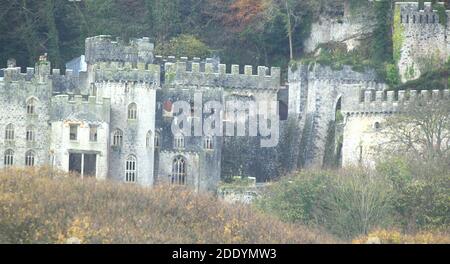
(42, 70)
(126, 71)
(105, 48)
(80, 107)
(410, 13)
(15, 74)
(211, 75)
(372, 101)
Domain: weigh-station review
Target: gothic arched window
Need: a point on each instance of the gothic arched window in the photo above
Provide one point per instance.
(9, 132)
(29, 158)
(131, 169)
(30, 134)
(31, 106)
(157, 139)
(178, 142)
(178, 171)
(117, 138)
(9, 158)
(132, 111)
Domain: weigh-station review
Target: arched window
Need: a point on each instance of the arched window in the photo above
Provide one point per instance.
(148, 139)
(9, 158)
(157, 139)
(130, 169)
(117, 138)
(29, 158)
(31, 106)
(208, 143)
(132, 111)
(9, 132)
(178, 142)
(30, 136)
(377, 125)
(178, 171)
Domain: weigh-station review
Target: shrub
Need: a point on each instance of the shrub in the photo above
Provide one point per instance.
(412, 196)
(184, 45)
(420, 193)
(346, 203)
(41, 206)
(396, 237)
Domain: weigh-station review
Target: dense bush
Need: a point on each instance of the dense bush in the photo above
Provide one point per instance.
(350, 202)
(346, 203)
(184, 45)
(420, 193)
(40, 206)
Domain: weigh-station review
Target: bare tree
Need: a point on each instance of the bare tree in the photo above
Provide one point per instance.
(421, 129)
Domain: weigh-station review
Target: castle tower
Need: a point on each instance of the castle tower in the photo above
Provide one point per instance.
(420, 38)
(123, 72)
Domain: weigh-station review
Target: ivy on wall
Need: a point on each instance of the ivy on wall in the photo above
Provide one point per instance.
(397, 35)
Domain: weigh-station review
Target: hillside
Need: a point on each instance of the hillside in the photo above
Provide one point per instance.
(38, 208)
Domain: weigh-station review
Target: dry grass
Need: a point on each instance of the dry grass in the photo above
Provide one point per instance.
(396, 237)
(37, 206)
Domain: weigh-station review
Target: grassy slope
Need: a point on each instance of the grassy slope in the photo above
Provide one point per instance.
(37, 208)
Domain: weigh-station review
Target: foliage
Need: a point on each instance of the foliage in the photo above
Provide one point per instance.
(396, 237)
(436, 79)
(400, 194)
(421, 129)
(398, 35)
(346, 203)
(184, 46)
(392, 75)
(42, 206)
(441, 13)
(335, 55)
(421, 192)
(241, 31)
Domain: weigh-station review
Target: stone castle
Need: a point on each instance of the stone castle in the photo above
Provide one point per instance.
(110, 115)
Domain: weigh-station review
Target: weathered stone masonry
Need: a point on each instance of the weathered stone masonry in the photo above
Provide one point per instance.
(113, 121)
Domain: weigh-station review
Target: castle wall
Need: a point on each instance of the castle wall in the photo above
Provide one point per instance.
(345, 27)
(206, 162)
(16, 89)
(83, 114)
(318, 89)
(362, 139)
(192, 171)
(122, 94)
(420, 39)
(364, 131)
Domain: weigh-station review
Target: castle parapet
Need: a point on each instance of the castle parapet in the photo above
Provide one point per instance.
(104, 48)
(210, 75)
(79, 107)
(40, 72)
(346, 75)
(410, 13)
(389, 101)
(118, 71)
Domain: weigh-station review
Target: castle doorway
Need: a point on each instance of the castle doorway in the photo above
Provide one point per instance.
(84, 164)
